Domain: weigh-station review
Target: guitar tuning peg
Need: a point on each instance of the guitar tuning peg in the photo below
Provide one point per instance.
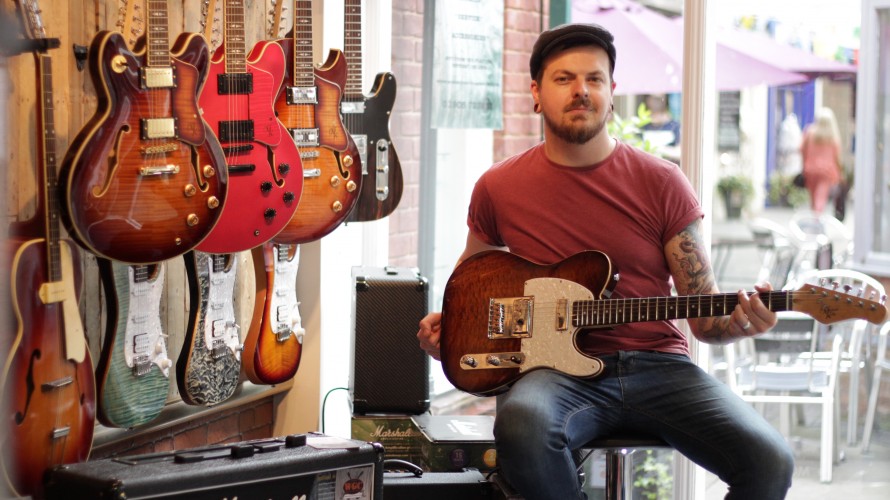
(847, 289)
(835, 285)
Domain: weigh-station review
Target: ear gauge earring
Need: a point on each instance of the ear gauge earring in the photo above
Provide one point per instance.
(537, 108)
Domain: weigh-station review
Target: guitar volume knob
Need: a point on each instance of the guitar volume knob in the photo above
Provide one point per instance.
(288, 197)
(350, 186)
(209, 171)
(469, 361)
(192, 220)
(212, 202)
(270, 213)
(347, 161)
(335, 182)
(190, 190)
(266, 186)
(493, 360)
(337, 206)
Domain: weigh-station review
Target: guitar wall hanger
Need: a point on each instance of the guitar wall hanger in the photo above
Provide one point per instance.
(80, 55)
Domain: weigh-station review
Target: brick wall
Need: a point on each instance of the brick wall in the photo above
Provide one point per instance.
(252, 420)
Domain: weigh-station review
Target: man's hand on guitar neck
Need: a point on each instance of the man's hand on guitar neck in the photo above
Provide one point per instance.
(428, 334)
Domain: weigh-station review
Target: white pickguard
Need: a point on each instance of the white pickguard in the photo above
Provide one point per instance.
(145, 339)
(549, 346)
(219, 320)
(285, 311)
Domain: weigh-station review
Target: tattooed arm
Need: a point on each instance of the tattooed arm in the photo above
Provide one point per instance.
(691, 269)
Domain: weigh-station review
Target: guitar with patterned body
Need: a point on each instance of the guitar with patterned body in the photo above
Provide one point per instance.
(144, 178)
(209, 364)
(367, 119)
(504, 316)
(47, 382)
(264, 166)
(309, 107)
(133, 374)
(274, 344)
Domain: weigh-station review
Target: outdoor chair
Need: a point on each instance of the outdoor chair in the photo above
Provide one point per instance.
(778, 249)
(809, 228)
(881, 364)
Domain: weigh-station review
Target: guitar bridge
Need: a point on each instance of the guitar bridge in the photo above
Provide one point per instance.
(141, 366)
(283, 332)
(219, 349)
(510, 318)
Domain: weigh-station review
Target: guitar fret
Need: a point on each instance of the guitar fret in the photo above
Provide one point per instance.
(234, 39)
(304, 75)
(352, 34)
(158, 54)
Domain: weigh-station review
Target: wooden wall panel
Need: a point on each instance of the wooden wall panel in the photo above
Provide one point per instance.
(75, 23)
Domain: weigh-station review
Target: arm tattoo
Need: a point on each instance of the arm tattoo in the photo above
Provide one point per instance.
(693, 261)
(694, 265)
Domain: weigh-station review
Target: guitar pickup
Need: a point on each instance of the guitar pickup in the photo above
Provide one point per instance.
(352, 107)
(157, 128)
(510, 318)
(236, 131)
(305, 137)
(309, 155)
(158, 78)
(490, 361)
(301, 95)
(234, 83)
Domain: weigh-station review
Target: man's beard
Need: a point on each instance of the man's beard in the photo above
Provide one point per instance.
(576, 134)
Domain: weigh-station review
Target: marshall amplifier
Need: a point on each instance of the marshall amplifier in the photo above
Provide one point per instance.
(389, 372)
(468, 484)
(297, 467)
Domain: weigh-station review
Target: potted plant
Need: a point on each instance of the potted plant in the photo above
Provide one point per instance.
(736, 190)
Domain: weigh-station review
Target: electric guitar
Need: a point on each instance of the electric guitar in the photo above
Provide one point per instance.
(367, 119)
(209, 364)
(265, 171)
(144, 179)
(47, 382)
(274, 343)
(309, 107)
(133, 374)
(503, 316)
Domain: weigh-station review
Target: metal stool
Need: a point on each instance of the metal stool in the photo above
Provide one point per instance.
(619, 473)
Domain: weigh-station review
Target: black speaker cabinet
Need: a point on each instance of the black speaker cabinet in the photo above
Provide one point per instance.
(299, 466)
(389, 373)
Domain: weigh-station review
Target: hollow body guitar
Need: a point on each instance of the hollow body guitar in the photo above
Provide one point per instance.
(367, 119)
(503, 316)
(274, 344)
(309, 107)
(209, 364)
(47, 382)
(263, 162)
(134, 370)
(144, 178)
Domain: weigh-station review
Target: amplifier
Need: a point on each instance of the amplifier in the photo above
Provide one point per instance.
(296, 467)
(389, 372)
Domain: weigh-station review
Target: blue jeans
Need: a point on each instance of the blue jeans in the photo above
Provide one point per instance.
(546, 415)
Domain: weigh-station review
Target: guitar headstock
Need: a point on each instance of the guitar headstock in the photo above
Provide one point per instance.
(30, 13)
(828, 305)
(277, 17)
(212, 20)
(131, 21)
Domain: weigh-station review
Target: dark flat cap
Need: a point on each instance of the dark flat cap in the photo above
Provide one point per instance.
(566, 36)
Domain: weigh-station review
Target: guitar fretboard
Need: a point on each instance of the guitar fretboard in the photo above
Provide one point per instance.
(588, 313)
(352, 48)
(50, 180)
(158, 44)
(236, 50)
(304, 75)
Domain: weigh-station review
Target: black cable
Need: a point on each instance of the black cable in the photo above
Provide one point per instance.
(324, 403)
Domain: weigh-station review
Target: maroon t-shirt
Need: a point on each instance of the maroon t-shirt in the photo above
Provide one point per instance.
(627, 206)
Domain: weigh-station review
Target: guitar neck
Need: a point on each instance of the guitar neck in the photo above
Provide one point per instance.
(304, 69)
(157, 38)
(236, 47)
(47, 153)
(593, 313)
(352, 48)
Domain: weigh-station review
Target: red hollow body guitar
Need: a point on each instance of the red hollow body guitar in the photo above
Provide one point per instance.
(263, 162)
(144, 180)
(47, 379)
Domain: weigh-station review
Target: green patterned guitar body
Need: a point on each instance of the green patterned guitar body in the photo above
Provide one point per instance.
(133, 371)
